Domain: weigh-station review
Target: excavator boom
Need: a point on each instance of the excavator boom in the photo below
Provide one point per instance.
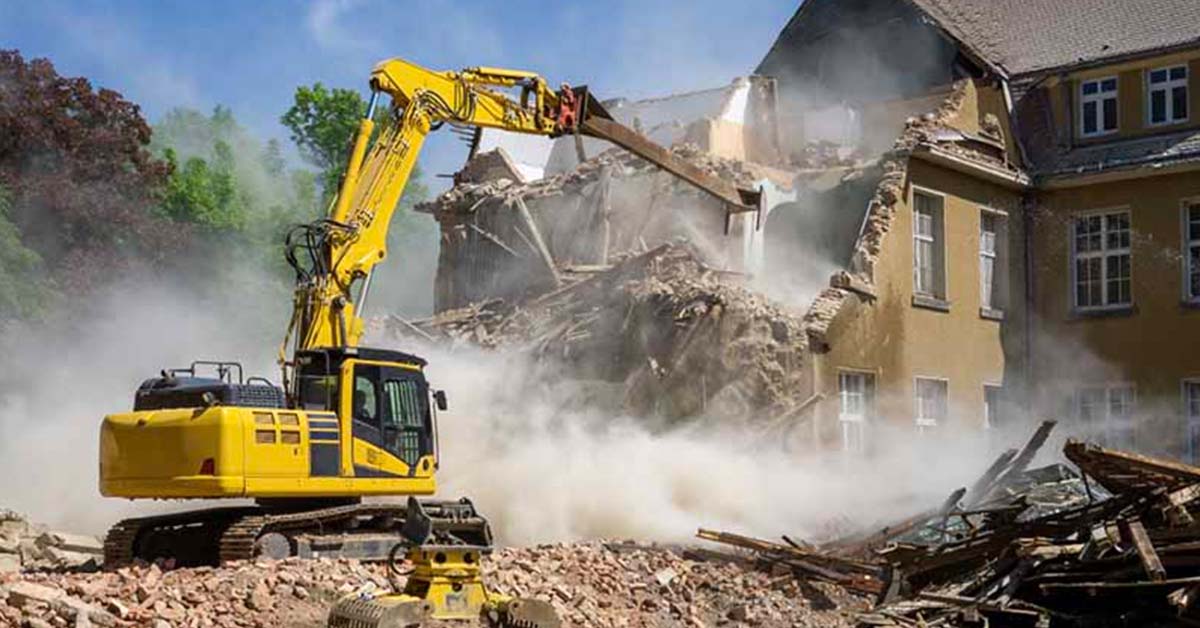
(352, 240)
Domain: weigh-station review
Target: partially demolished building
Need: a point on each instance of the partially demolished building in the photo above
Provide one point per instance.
(958, 195)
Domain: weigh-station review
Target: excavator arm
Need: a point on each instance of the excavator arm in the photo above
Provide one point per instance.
(335, 255)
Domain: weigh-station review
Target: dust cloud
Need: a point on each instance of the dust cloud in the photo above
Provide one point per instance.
(58, 378)
(544, 466)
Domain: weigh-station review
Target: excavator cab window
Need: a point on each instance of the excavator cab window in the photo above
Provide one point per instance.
(318, 392)
(391, 410)
(365, 406)
(404, 418)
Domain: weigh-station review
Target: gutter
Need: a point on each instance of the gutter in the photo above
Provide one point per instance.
(1120, 171)
(1005, 178)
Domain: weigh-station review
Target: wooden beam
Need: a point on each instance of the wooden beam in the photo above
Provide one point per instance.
(1145, 550)
(539, 245)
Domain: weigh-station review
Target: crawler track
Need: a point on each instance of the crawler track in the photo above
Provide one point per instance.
(213, 536)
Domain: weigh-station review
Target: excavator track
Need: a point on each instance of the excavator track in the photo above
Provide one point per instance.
(209, 537)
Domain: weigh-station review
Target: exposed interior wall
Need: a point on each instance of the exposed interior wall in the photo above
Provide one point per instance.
(1152, 345)
(611, 206)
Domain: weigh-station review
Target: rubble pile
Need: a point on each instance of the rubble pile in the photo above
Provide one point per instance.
(592, 584)
(26, 545)
(678, 334)
(602, 585)
(1113, 543)
(287, 593)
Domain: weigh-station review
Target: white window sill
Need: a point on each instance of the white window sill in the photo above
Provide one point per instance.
(1193, 304)
(926, 423)
(991, 314)
(1167, 123)
(930, 302)
(1098, 134)
(1108, 311)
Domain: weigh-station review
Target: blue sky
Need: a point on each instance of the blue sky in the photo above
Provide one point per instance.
(250, 56)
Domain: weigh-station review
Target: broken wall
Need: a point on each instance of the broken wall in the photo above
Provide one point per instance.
(886, 330)
(504, 240)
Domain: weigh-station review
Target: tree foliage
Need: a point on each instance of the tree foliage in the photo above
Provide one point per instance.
(323, 123)
(24, 289)
(82, 184)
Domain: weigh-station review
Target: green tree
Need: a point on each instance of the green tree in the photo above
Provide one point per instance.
(323, 123)
(25, 290)
(205, 195)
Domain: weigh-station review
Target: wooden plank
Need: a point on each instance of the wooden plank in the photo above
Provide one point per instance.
(1120, 471)
(1145, 550)
(539, 244)
(1028, 452)
(1184, 496)
(983, 486)
(1176, 582)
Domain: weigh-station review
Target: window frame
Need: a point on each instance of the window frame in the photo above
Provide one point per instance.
(1191, 422)
(1108, 425)
(1168, 87)
(1099, 97)
(923, 423)
(858, 423)
(1187, 243)
(937, 275)
(999, 288)
(1103, 254)
(988, 409)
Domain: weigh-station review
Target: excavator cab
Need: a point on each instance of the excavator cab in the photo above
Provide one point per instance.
(384, 398)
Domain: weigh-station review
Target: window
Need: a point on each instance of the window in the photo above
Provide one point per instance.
(1191, 253)
(364, 406)
(1167, 94)
(1191, 413)
(1108, 412)
(992, 413)
(857, 393)
(928, 262)
(931, 402)
(318, 392)
(993, 238)
(403, 418)
(1098, 106)
(1102, 270)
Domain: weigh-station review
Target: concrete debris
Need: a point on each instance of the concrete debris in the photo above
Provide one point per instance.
(592, 585)
(753, 350)
(26, 545)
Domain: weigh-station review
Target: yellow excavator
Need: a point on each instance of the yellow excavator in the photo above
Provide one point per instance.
(348, 422)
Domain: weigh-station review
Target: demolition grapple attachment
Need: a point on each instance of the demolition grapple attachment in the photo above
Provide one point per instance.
(445, 582)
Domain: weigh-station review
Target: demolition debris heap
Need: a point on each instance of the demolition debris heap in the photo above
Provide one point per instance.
(591, 585)
(1113, 543)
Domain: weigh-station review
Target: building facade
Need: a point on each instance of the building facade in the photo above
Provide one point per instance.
(1033, 248)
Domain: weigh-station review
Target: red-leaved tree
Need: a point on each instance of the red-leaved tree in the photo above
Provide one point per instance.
(82, 184)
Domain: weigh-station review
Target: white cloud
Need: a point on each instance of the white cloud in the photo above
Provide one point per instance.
(323, 25)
